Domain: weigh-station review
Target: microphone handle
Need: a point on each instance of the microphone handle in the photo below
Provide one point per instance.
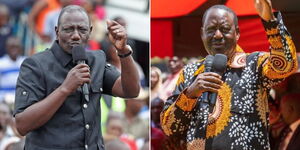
(85, 89)
(205, 95)
(212, 101)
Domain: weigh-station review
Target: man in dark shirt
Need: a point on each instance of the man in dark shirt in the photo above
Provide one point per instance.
(50, 109)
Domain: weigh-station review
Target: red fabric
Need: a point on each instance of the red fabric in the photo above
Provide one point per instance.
(131, 143)
(157, 139)
(93, 45)
(173, 8)
(253, 36)
(242, 7)
(161, 38)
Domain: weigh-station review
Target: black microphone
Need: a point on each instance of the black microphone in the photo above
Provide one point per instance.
(218, 66)
(79, 57)
(208, 63)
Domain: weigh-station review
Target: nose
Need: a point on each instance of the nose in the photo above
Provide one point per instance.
(218, 34)
(75, 36)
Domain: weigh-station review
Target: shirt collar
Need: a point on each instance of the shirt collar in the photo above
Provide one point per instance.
(239, 58)
(63, 57)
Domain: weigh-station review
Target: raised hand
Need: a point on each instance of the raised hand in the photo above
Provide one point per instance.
(264, 9)
(117, 35)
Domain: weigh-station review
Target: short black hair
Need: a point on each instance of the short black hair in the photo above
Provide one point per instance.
(72, 8)
(235, 19)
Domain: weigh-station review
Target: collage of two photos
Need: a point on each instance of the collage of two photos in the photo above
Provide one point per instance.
(149, 75)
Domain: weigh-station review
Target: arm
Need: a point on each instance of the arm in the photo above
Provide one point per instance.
(282, 60)
(36, 9)
(31, 110)
(127, 85)
(180, 108)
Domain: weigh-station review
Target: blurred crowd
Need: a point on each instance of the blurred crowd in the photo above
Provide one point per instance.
(26, 28)
(283, 100)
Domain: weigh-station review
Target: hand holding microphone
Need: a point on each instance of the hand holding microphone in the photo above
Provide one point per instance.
(206, 81)
(79, 75)
(209, 82)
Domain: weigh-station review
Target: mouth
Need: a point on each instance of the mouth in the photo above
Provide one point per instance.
(74, 44)
(218, 45)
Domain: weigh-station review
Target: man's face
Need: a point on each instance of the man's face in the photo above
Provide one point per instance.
(175, 64)
(156, 108)
(74, 29)
(219, 33)
(14, 48)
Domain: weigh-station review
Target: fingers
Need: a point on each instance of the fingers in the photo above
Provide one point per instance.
(209, 81)
(212, 77)
(115, 29)
(82, 72)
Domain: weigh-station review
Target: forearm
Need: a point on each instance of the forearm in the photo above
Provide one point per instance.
(129, 77)
(177, 114)
(283, 60)
(39, 113)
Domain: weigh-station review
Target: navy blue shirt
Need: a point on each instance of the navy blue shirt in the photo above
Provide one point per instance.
(76, 124)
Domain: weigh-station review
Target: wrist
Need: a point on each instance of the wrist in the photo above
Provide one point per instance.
(189, 93)
(64, 91)
(127, 51)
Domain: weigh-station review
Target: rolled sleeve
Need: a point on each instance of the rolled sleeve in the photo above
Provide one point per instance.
(30, 86)
(111, 74)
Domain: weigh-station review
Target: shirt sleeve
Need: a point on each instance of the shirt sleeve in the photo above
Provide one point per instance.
(30, 85)
(178, 110)
(111, 74)
(282, 59)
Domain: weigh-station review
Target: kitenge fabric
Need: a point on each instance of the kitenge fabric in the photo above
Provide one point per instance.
(240, 117)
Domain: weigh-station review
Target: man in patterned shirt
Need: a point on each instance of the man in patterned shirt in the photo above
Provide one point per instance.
(240, 116)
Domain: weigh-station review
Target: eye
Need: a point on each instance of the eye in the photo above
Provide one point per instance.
(225, 29)
(210, 30)
(68, 30)
(83, 30)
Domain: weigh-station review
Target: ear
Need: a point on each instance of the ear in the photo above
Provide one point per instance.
(202, 33)
(237, 31)
(56, 32)
(91, 29)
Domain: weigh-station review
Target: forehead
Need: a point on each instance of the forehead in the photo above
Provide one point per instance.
(217, 15)
(75, 17)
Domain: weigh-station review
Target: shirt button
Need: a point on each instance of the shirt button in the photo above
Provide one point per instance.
(85, 106)
(24, 93)
(87, 126)
(86, 146)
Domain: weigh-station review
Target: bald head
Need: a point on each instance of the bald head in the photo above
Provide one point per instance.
(72, 9)
(223, 7)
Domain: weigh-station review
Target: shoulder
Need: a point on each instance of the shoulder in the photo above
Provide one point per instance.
(98, 54)
(191, 70)
(194, 68)
(39, 58)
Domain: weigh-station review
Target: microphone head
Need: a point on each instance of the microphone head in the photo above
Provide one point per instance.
(220, 63)
(208, 62)
(78, 53)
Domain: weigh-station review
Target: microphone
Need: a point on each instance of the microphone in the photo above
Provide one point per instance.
(79, 57)
(219, 66)
(208, 63)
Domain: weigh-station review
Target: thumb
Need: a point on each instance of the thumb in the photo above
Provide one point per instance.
(109, 22)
